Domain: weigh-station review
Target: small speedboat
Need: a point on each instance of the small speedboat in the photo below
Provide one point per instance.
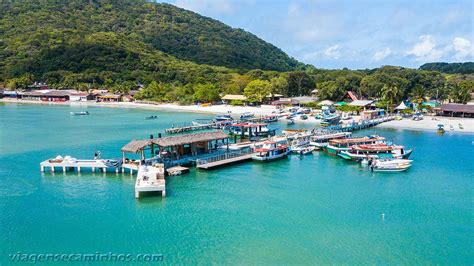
(441, 129)
(391, 165)
(290, 122)
(303, 117)
(270, 119)
(112, 162)
(304, 150)
(246, 116)
(151, 117)
(79, 113)
(223, 117)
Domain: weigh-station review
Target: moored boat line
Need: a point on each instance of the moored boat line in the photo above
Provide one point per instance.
(208, 150)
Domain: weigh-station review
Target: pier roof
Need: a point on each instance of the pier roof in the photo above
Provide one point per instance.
(135, 146)
(189, 138)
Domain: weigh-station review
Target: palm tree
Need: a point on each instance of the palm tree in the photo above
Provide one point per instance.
(418, 95)
(390, 93)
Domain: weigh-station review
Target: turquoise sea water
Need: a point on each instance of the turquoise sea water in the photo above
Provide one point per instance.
(301, 210)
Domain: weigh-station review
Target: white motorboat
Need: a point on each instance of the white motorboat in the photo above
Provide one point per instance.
(79, 113)
(392, 165)
(304, 150)
(246, 116)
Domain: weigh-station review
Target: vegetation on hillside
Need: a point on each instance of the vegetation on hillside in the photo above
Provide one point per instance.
(181, 56)
(450, 68)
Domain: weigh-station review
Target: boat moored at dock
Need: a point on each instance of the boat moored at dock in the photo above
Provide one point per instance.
(375, 151)
(322, 141)
(335, 146)
(271, 150)
(246, 116)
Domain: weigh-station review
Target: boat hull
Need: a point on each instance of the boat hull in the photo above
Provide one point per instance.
(270, 158)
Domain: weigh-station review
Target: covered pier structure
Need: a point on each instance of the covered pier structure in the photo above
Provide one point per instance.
(174, 150)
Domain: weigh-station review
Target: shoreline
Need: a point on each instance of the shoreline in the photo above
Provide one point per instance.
(429, 123)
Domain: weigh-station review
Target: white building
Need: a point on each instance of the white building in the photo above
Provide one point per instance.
(78, 97)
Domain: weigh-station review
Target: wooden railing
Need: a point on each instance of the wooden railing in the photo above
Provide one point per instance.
(221, 157)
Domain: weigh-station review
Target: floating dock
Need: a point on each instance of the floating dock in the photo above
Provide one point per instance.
(150, 179)
(223, 159)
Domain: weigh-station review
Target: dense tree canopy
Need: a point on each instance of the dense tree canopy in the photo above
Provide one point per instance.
(181, 56)
(450, 68)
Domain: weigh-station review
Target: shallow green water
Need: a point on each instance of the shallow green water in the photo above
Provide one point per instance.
(315, 209)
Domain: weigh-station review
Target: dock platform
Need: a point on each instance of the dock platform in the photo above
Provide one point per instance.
(224, 159)
(150, 179)
(77, 165)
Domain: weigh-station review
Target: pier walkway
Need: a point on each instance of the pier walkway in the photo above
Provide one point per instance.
(224, 159)
(211, 125)
(361, 125)
(78, 164)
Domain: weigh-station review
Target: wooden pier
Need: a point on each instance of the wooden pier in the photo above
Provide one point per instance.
(224, 159)
(211, 125)
(77, 165)
(360, 125)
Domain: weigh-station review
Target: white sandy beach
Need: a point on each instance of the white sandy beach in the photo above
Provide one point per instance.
(429, 123)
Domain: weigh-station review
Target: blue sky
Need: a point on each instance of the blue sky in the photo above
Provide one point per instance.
(354, 34)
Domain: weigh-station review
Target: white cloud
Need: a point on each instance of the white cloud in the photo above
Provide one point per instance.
(380, 55)
(463, 49)
(333, 52)
(426, 50)
(307, 23)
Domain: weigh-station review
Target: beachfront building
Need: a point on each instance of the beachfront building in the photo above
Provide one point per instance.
(365, 104)
(80, 96)
(304, 100)
(10, 94)
(229, 98)
(455, 109)
(46, 95)
(285, 101)
(109, 97)
(372, 114)
(38, 86)
(177, 149)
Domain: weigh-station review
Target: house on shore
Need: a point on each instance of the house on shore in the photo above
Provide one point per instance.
(80, 97)
(46, 95)
(455, 109)
(109, 97)
(228, 98)
(38, 86)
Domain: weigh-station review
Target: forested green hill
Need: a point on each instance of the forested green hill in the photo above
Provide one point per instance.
(40, 37)
(181, 56)
(450, 68)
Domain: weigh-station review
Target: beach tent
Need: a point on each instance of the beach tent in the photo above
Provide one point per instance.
(401, 106)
